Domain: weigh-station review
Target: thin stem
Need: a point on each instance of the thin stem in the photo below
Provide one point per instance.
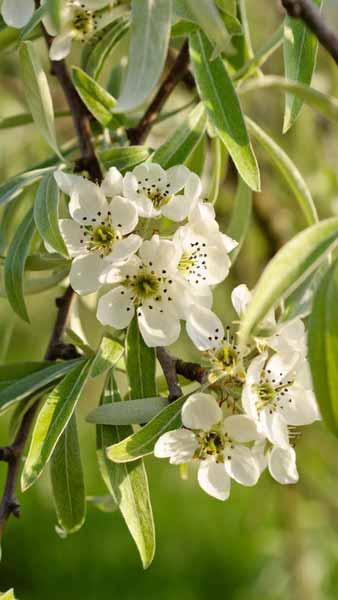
(307, 11)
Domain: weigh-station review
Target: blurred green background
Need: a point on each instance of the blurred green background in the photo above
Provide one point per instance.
(270, 542)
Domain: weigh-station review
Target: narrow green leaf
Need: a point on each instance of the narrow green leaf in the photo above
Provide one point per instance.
(300, 54)
(15, 265)
(177, 149)
(289, 267)
(17, 370)
(124, 158)
(288, 170)
(150, 31)
(38, 95)
(26, 119)
(34, 382)
(219, 163)
(129, 412)
(46, 213)
(52, 420)
(8, 36)
(108, 354)
(261, 56)
(106, 503)
(210, 21)
(223, 108)
(196, 160)
(240, 218)
(327, 105)
(67, 480)
(45, 262)
(128, 484)
(299, 303)
(33, 22)
(323, 347)
(98, 51)
(140, 364)
(142, 442)
(98, 101)
(14, 186)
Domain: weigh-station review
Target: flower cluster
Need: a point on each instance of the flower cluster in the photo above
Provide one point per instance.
(80, 20)
(113, 238)
(258, 397)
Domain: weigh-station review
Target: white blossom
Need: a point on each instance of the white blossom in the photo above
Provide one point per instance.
(80, 20)
(281, 462)
(277, 394)
(289, 336)
(99, 232)
(215, 443)
(155, 191)
(17, 13)
(204, 249)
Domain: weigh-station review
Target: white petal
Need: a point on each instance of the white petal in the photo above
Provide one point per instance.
(255, 368)
(204, 328)
(193, 186)
(274, 426)
(123, 214)
(228, 242)
(240, 298)
(259, 455)
(178, 207)
(282, 465)
(179, 444)
(177, 177)
(87, 204)
(72, 235)
(290, 337)
(67, 182)
(201, 411)
(158, 329)
(17, 13)
(123, 249)
(299, 407)
(112, 185)
(148, 174)
(116, 308)
(61, 46)
(213, 479)
(249, 400)
(162, 255)
(241, 465)
(217, 264)
(281, 365)
(241, 428)
(85, 273)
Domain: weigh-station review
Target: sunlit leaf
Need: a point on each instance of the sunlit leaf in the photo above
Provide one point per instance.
(288, 268)
(150, 31)
(51, 422)
(67, 480)
(46, 213)
(129, 412)
(223, 108)
(240, 217)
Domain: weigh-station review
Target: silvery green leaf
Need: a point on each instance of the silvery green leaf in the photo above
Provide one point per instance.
(223, 108)
(124, 158)
(149, 39)
(108, 354)
(46, 213)
(67, 480)
(240, 217)
(129, 412)
(288, 268)
(52, 420)
(97, 51)
(38, 95)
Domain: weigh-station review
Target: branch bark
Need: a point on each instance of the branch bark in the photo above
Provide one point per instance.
(56, 348)
(307, 11)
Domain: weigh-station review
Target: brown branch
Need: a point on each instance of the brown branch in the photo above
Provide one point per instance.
(307, 11)
(189, 370)
(168, 365)
(56, 348)
(137, 134)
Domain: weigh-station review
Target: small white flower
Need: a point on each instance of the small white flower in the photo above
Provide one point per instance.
(281, 462)
(217, 444)
(155, 191)
(205, 250)
(150, 285)
(17, 13)
(277, 394)
(288, 337)
(81, 19)
(99, 232)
